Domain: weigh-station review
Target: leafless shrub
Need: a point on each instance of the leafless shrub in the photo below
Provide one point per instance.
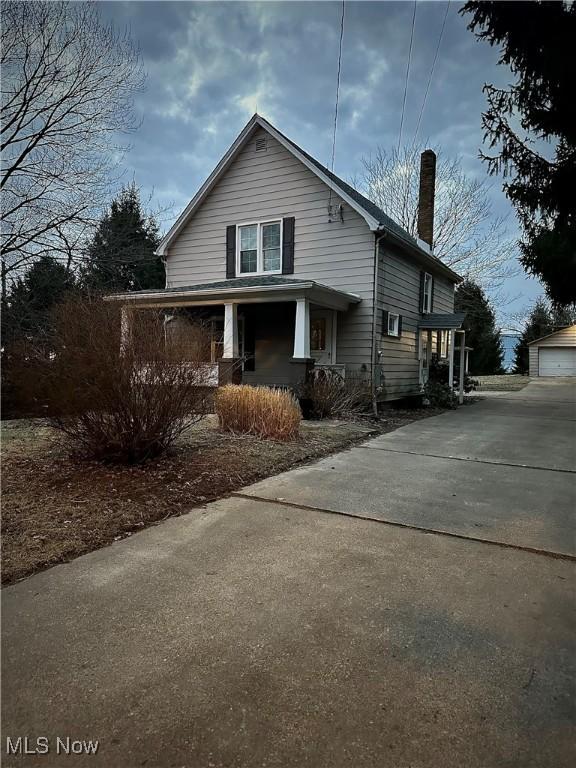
(326, 394)
(116, 405)
(258, 411)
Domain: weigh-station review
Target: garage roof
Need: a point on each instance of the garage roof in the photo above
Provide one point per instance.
(567, 343)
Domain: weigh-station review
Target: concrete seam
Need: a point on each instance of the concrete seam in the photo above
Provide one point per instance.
(461, 458)
(408, 526)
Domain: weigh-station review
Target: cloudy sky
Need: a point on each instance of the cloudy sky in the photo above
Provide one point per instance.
(210, 65)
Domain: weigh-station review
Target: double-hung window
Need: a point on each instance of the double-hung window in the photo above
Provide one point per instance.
(259, 248)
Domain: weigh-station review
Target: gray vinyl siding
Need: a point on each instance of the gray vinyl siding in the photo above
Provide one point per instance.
(399, 292)
(273, 184)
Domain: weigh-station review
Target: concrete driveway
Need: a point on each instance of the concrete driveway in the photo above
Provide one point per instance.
(500, 470)
(260, 632)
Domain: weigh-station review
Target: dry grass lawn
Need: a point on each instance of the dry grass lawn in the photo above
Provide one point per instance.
(55, 508)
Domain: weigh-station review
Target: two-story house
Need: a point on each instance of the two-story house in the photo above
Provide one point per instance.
(294, 268)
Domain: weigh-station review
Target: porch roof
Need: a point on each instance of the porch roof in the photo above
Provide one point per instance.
(436, 322)
(264, 288)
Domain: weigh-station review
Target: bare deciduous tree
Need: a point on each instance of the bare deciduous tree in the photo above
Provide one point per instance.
(68, 87)
(467, 235)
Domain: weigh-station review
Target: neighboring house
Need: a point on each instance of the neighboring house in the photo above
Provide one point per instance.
(293, 268)
(554, 354)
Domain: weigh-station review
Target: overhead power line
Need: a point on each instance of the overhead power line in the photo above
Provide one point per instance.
(337, 88)
(431, 72)
(407, 76)
(337, 100)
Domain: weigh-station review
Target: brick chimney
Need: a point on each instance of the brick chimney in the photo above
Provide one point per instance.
(426, 196)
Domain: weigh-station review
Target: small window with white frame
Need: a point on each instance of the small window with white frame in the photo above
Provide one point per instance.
(427, 294)
(393, 324)
(259, 248)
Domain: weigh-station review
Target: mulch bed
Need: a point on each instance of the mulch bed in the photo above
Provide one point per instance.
(55, 507)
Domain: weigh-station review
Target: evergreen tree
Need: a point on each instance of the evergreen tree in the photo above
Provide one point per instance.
(480, 326)
(542, 320)
(26, 318)
(121, 255)
(535, 40)
(32, 297)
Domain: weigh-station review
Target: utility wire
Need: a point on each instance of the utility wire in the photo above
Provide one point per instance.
(407, 76)
(337, 98)
(431, 73)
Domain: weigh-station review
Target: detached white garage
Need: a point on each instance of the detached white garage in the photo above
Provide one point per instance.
(555, 354)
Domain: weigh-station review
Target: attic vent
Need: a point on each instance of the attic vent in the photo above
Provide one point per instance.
(261, 144)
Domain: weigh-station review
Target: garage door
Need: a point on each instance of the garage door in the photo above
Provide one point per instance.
(557, 361)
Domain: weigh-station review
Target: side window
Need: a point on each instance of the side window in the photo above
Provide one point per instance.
(427, 282)
(391, 324)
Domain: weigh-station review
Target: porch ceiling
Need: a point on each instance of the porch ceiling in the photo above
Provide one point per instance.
(241, 290)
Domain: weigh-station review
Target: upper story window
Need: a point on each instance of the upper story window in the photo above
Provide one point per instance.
(427, 294)
(259, 248)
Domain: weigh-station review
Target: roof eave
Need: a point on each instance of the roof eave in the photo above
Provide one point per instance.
(548, 335)
(206, 187)
(318, 293)
(373, 223)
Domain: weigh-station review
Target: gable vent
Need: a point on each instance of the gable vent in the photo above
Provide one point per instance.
(261, 144)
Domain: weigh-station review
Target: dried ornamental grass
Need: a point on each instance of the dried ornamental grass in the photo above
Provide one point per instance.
(272, 413)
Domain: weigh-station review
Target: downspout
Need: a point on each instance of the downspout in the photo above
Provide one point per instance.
(377, 240)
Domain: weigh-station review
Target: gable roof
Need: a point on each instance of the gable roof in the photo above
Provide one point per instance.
(549, 335)
(375, 217)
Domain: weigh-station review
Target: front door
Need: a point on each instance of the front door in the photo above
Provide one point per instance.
(321, 321)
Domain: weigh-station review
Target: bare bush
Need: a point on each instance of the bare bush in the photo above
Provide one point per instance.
(117, 405)
(261, 411)
(326, 394)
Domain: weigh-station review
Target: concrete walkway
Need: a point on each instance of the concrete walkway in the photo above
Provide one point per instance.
(266, 631)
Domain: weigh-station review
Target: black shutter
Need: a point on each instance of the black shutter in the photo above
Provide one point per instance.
(385, 322)
(432, 294)
(231, 251)
(422, 280)
(399, 325)
(288, 245)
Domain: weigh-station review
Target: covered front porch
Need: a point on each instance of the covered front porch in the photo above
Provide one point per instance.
(269, 331)
(442, 337)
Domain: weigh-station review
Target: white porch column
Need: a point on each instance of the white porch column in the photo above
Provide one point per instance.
(302, 330)
(126, 318)
(462, 366)
(231, 350)
(451, 335)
